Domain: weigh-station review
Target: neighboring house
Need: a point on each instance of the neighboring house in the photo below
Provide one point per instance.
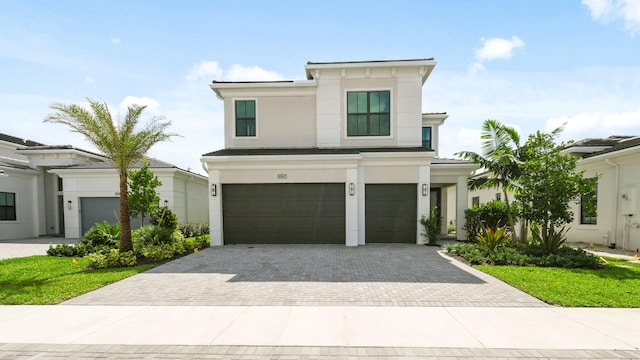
(609, 215)
(345, 156)
(62, 190)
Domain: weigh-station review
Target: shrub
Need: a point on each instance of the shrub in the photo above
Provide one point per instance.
(165, 218)
(111, 259)
(432, 226)
(65, 250)
(103, 234)
(190, 229)
(492, 214)
(493, 238)
(158, 252)
(156, 243)
(530, 255)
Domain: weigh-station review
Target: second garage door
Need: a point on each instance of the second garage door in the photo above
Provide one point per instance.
(391, 213)
(98, 209)
(283, 213)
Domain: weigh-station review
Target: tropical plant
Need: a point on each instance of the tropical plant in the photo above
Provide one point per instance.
(550, 241)
(432, 226)
(143, 198)
(551, 184)
(119, 142)
(500, 159)
(102, 234)
(493, 237)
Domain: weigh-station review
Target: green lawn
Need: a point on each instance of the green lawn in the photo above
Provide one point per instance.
(617, 285)
(51, 280)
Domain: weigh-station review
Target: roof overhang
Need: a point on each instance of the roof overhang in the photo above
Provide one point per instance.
(424, 66)
(238, 88)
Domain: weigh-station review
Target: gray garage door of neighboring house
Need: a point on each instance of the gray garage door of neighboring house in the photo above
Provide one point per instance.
(98, 209)
(283, 213)
(391, 213)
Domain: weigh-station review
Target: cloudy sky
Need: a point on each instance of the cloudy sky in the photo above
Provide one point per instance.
(534, 64)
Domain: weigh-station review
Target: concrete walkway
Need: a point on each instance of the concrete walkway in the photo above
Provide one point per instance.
(32, 246)
(249, 317)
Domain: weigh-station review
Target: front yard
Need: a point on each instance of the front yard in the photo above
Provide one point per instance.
(617, 284)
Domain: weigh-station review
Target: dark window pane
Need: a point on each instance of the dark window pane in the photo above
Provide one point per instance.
(250, 109)
(384, 101)
(426, 137)
(362, 102)
(385, 126)
(362, 124)
(374, 102)
(352, 125)
(374, 125)
(240, 109)
(352, 102)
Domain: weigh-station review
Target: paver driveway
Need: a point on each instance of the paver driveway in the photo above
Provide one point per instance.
(325, 275)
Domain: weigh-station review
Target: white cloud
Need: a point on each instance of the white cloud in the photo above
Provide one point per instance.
(89, 80)
(594, 124)
(115, 40)
(153, 106)
(250, 73)
(498, 48)
(205, 69)
(211, 70)
(613, 10)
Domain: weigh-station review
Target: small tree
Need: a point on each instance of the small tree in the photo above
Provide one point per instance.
(143, 198)
(550, 185)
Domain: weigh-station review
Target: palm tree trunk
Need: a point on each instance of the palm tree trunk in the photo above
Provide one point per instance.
(509, 216)
(125, 221)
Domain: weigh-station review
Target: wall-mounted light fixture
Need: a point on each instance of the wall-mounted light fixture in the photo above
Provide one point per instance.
(68, 204)
(214, 191)
(425, 189)
(166, 203)
(352, 189)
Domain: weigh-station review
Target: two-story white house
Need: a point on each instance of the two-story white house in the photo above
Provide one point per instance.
(346, 156)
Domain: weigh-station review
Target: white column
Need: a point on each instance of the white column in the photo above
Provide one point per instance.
(215, 209)
(462, 204)
(351, 207)
(424, 183)
(360, 194)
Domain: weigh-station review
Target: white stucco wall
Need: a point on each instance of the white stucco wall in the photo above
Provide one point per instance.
(24, 183)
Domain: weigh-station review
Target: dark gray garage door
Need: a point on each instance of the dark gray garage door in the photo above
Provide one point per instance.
(391, 213)
(283, 213)
(98, 209)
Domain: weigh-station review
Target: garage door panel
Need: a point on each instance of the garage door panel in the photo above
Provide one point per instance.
(391, 213)
(99, 209)
(283, 213)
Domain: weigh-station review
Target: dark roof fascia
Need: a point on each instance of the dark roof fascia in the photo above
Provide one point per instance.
(314, 151)
(18, 141)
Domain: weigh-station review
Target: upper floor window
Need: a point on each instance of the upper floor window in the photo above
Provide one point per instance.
(589, 207)
(498, 196)
(245, 118)
(7, 206)
(426, 137)
(368, 113)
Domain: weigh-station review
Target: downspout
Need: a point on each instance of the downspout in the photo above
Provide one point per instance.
(615, 221)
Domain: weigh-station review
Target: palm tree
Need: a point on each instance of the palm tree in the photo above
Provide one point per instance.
(500, 159)
(119, 143)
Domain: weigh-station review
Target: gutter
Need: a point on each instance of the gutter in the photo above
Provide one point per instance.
(615, 221)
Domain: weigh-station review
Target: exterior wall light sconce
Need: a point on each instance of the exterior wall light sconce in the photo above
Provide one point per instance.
(214, 190)
(166, 203)
(425, 189)
(68, 204)
(352, 189)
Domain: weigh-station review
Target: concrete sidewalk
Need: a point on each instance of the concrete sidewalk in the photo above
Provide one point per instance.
(548, 328)
(32, 246)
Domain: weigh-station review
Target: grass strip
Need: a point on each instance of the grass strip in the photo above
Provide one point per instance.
(617, 285)
(41, 280)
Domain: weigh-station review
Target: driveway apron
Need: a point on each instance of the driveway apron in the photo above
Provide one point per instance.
(312, 275)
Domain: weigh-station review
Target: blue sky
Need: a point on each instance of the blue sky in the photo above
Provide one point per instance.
(533, 64)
